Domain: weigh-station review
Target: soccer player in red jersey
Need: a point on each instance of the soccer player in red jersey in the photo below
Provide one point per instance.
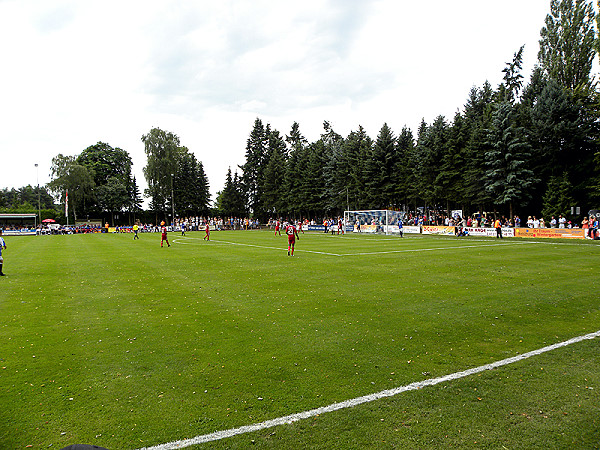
(277, 227)
(292, 234)
(163, 234)
(207, 235)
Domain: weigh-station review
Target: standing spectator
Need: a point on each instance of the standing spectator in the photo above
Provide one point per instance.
(585, 225)
(593, 227)
(2, 246)
(553, 222)
(498, 227)
(561, 221)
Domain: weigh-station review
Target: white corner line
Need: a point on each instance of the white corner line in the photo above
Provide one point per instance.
(365, 399)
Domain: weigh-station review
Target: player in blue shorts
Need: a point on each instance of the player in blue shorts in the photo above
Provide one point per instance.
(2, 247)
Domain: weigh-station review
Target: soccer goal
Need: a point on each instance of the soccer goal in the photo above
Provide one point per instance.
(373, 221)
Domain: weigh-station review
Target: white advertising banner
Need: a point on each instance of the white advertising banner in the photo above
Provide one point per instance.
(490, 232)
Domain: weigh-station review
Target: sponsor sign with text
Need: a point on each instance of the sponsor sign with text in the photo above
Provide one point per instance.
(571, 233)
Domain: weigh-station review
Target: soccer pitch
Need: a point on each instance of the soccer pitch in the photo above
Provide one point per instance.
(126, 345)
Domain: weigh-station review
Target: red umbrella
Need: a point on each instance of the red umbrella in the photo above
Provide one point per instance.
(48, 221)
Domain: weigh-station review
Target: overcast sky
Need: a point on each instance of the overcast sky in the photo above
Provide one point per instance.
(78, 72)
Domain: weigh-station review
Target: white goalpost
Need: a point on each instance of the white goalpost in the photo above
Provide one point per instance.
(384, 221)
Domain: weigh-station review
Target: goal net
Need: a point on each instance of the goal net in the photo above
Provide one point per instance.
(373, 221)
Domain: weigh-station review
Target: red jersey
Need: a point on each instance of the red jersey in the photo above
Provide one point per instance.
(163, 230)
(290, 230)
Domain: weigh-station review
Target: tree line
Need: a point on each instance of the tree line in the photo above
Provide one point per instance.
(517, 148)
(512, 149)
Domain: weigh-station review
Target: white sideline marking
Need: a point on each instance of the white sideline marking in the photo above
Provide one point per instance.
(267, 247)
(433, 248)
(365, 399)
(182, 241)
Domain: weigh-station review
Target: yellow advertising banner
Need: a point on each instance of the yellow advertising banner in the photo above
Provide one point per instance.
(433, 229)
(571, 233)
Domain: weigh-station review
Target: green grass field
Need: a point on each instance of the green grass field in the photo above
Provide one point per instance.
(123, 344)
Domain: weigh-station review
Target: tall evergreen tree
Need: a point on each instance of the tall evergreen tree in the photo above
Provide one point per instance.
(256, 150)
(558, 199)
(357, 148)
(508, 176)
(450, 179)
(292, 190)
(403, 172)
(477, 114)
(135, 197)
(513, 80)
(273, 177)
(231, 198)
(561, 136)
(380, 168)
(191, 191)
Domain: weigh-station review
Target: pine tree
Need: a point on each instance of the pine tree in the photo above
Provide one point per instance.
(357, 148)
(380, 169)
(450, 179)
(402, 172)
(256, 149)
(477, 116)
(508, 177)
(557, 199)
(273, 177)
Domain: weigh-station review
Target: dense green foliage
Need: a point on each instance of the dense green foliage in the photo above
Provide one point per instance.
(502, 152)
(176, 179)
(25, 199)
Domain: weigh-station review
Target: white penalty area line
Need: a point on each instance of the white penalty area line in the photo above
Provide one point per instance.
(218, 435)
(182, 241)
(435, 248)
(264, 246)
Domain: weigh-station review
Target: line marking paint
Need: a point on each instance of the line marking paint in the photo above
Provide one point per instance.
(264, 246)
(431, 249)
(217, 241)
(218, 435)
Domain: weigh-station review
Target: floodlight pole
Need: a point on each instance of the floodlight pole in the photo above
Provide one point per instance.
(38, 189)
(172, 201)
(347, 200)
